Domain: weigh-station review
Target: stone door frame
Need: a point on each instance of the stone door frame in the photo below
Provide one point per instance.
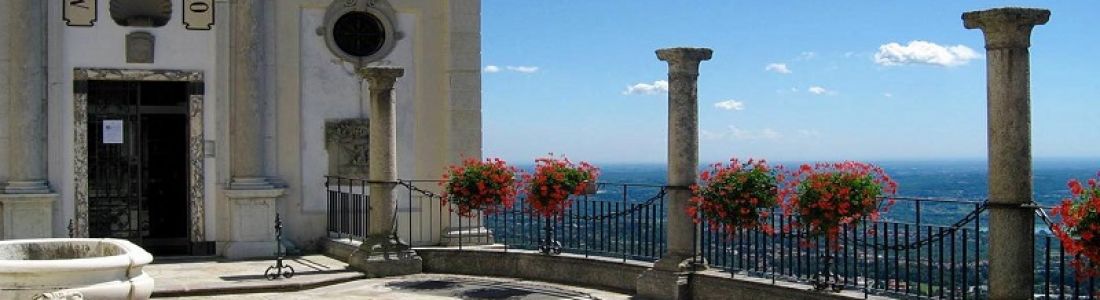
(196, 98)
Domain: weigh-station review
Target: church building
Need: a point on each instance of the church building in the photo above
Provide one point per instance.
(185, 126)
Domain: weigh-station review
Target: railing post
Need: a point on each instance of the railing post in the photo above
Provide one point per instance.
(1011, 226)
(668, 277)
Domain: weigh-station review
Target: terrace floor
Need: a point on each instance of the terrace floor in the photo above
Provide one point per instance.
(318, 276)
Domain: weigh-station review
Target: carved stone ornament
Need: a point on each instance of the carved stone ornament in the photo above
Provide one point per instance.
(347, 142)
(141, 13)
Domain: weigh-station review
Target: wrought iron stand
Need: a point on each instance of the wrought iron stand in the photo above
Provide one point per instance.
(549, 245)
(280, 270)
(826, 279)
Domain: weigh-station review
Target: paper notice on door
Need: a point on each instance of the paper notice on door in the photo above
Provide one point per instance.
(112, 131)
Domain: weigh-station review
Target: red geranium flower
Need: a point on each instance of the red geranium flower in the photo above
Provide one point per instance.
(736, 196)
(487, 186)
(554, 181)
(1079, 226)
(827, 196)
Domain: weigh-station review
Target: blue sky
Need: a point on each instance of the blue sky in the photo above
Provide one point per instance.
(558, 74)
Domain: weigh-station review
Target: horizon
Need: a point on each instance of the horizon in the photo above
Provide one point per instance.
(1035, 161)
(859, 80)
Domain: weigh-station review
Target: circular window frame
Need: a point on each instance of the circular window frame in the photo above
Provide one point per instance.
(376, 8)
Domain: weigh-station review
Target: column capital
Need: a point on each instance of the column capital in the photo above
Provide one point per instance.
(381, 77)
(1008, 27)
(684, 60)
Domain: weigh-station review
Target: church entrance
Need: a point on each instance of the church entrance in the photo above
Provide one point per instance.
(137, 143)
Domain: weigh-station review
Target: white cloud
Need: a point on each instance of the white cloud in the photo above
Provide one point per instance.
(745, 134)
(809, 133)
(817, 90)
(736, 133)
(709, 135)
(888, 95)
(922, 52)
(770, 134)
(523, 69)
(642, 88)
(730, 105)
(491, 69)
(806, 55)
(778, 68)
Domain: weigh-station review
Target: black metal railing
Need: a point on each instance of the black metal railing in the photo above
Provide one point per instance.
(348, 207)
(625, 221)
(922, 248)
(899, 255)
(1055, 276)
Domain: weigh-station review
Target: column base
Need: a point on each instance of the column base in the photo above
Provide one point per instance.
(669, 278)
(658, 284)
(25, 187)
(383, 256)
(24, 216)
(252, 222)
(466, 236)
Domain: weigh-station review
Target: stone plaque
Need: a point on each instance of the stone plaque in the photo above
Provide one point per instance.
(347, 144)
(139, 47)
(79, 12)
(198, 14)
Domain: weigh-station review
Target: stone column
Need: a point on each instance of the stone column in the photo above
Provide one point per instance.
(247, 103)
(252, 194)
(1011, 226)
(26, 201)
(668, 277)
(383, 253)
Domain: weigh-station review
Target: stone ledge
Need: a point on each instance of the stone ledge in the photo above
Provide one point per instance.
(718, 285)
(595, 272)
(603, 273)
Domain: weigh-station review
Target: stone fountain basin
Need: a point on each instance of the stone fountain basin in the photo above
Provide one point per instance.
(94, 268)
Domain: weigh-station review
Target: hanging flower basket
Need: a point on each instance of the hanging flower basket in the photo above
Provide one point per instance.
(736, 196)
(555, 179)
(826, 197)
(486, 186)
(1079, 226)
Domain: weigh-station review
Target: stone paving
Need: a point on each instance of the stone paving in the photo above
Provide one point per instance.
(191, 277)
(435, 286)
(318, 276)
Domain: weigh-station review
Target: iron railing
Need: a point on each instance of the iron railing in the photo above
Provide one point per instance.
(625, 221)
(348, 207)
(899, 255)
(1055, 277)
(922, 248)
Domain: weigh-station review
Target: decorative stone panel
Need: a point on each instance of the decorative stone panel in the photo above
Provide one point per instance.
(347, 143)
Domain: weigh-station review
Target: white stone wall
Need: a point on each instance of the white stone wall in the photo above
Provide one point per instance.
(331, 90)
(438, 98)
(103, 46)
(312, 86)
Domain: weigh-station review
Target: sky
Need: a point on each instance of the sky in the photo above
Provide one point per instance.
(788, 81)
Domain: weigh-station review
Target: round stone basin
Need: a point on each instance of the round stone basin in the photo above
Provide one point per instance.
(88, 268)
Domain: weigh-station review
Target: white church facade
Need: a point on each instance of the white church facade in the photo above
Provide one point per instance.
(186, 125)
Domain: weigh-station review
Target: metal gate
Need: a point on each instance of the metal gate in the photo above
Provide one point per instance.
(137, 163)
